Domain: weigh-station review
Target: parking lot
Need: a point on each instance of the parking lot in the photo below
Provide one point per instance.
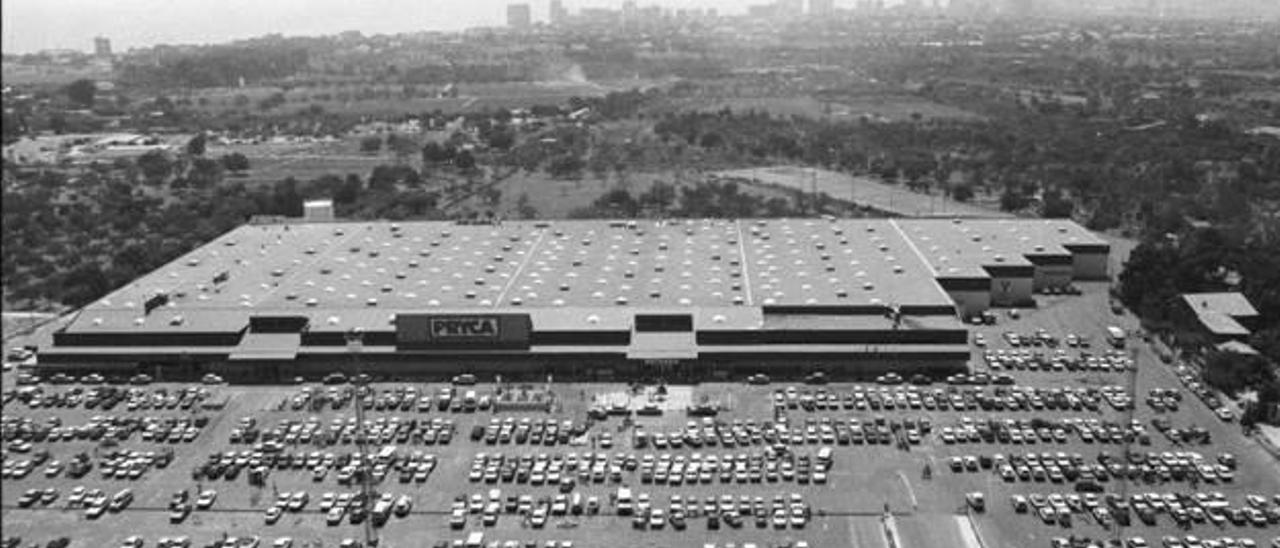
(593, 464)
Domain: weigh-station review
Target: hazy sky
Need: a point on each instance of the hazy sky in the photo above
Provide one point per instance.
(32, 25)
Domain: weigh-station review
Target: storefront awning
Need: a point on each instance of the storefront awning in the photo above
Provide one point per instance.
(267, 347)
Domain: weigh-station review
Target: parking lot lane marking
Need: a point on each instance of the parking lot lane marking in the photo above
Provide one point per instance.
(968, 532)
(889, 529)
(866, 532)
(915, 505)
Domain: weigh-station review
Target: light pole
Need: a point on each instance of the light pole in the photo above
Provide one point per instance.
(355, 345)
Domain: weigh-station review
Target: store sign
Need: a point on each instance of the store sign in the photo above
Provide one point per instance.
(464, 328)
(489, 331)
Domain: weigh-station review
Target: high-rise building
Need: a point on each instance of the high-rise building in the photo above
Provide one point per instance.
(519, 16)
(1020, 8)
(790, 8)
(557, 13)
(820, 8)
(102, 46)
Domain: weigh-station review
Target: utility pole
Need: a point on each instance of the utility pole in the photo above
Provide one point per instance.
(1128, 439)
(355, 345)
(813, 186)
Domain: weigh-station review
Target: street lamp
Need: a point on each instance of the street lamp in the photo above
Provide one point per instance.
(355, 345)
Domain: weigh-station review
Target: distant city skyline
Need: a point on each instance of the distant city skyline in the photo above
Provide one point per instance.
(34, 25)
(30, 26)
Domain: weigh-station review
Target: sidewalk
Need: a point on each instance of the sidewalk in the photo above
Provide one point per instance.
(1269, 438)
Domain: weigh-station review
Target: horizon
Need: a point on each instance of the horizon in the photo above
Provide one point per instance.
(31, 26)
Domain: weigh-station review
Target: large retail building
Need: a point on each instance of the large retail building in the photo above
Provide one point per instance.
(583, 299)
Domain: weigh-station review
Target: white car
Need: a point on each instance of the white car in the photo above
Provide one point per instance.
(206, 499)
(283, 542)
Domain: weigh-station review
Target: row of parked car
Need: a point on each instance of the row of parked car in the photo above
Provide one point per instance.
(567, 471)
(1182, 508)
(400, 398)
(1191, 380)
(1023, 431)
(977, 396)
(92, 379)
(1056, 361)
(117, 464)
(536, 511)
(107, 398)
(351, 506)
(152, 429)
(382, 430)
(1183, 466)
(782, 512)
(94, 501)
(1169, 541)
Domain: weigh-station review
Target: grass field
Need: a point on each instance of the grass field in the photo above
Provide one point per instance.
(471, 97)
(890, 107)
(864, 191)
(555, 198)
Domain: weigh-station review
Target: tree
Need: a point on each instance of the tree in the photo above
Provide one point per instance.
(502, 138)
(464, 161)
(565, 166)
(81, 92)
(402, 146)
(349, 191)
(274, 100)
(1011, 200)
(1057, 206)
(235, 162)
(371, 145)
(1267, 342)
(660, 195)
(435, 153)
(962, 193)
(205, 172)
(197, 145)
(524, 208)
(155, 166)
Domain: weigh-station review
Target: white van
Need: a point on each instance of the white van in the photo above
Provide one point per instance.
(1115, 336)
(624, 501)
(824, 457)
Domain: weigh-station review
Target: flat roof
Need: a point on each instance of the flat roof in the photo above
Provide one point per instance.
(1232, 304)
(962, 248)
(567, 275)
(363, 273)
